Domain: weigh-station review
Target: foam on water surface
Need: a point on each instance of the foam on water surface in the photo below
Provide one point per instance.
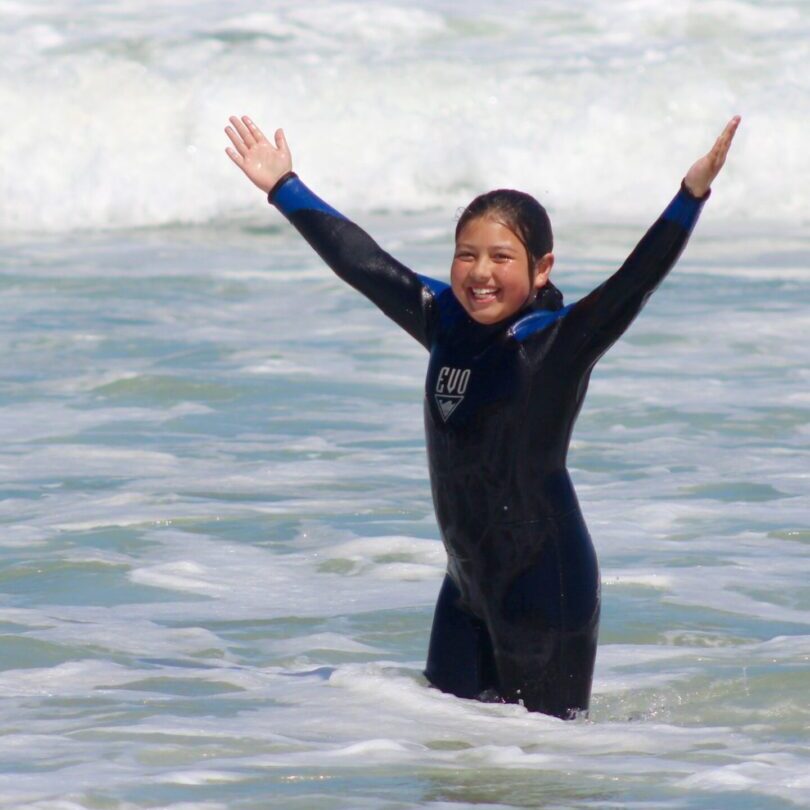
(215, 599)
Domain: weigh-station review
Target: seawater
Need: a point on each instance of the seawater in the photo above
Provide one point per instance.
(219, 558)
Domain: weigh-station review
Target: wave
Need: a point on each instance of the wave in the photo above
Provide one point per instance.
(114, 114)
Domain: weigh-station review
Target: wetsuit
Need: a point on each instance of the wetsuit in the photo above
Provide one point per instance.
(518, 613)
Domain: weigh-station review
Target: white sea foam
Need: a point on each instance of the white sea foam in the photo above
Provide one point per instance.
(206, 777)
(256, 582)
(37, 421)
(392, 108)
(632, 577)
(63, 679)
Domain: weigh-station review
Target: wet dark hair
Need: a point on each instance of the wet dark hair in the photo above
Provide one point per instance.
(528, 220)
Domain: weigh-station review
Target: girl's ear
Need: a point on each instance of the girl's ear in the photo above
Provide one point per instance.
(542, 269)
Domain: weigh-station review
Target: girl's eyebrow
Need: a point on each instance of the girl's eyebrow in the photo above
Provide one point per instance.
(469, 245)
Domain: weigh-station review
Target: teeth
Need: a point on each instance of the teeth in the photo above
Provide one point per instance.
(483, 292)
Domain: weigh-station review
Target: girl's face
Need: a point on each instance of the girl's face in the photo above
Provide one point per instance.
(490, 271)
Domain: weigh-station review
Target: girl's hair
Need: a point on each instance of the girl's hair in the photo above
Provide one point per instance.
(528, 220)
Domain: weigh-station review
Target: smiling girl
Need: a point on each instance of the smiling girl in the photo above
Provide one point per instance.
(518, 614)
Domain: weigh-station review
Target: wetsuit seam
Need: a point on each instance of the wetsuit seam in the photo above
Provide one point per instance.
(278, 184)
(537, 521)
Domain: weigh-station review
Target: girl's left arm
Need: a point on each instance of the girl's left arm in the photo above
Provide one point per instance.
(596, 321)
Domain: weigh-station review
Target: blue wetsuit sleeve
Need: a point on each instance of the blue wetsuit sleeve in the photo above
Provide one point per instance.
(405, 297)
(595, 322)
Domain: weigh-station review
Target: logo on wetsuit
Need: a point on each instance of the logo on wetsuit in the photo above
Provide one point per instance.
(451, 385)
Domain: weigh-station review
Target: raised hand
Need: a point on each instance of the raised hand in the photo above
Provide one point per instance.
(262, 163)
(699, 178)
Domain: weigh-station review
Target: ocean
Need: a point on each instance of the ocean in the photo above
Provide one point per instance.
(218, 553)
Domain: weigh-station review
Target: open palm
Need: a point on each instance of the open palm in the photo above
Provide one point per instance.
(261, 161)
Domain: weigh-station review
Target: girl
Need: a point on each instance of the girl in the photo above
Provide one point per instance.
(518, 613)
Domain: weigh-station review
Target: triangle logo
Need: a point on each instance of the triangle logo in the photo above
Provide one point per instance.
(447, 404)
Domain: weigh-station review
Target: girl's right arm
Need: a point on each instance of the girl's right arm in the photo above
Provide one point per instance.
(407, 298)
(596, 321)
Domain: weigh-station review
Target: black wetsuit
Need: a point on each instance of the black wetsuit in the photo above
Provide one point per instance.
(518, 613)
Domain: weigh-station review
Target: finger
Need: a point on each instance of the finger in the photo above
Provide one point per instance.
(244, 132)
(281, 141)
(236, 141)
(235, 157)
(727, 135)
(257, 134)
(235, 125)
(723, 143)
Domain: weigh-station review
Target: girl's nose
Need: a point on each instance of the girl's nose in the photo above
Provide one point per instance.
(480, 271)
